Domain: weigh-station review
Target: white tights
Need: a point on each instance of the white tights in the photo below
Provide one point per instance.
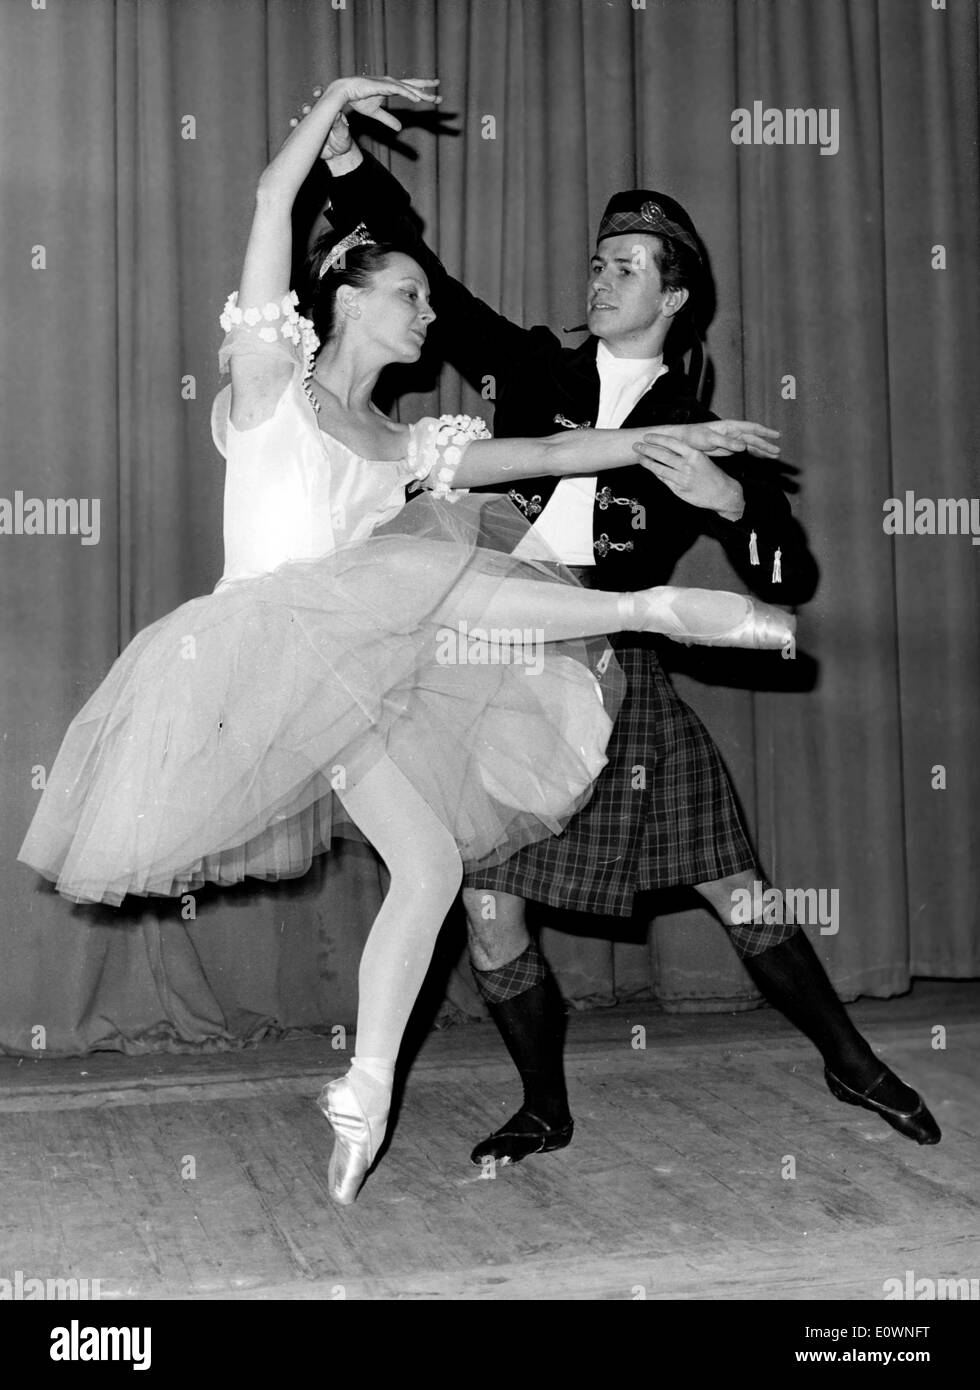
(426, 872)
(419, 852)
(562, 611)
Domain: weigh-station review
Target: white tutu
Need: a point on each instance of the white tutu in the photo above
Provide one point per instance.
(215, 745)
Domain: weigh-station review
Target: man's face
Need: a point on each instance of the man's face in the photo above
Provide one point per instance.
(625, 297)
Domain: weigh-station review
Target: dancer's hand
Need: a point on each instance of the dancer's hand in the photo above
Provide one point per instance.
(340, 141)
(690, 474)
(718, 438)
(365, 94)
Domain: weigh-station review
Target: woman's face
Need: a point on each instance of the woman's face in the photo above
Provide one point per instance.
(395, 309)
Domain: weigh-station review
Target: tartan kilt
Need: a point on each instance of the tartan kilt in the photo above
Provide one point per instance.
(663, 813)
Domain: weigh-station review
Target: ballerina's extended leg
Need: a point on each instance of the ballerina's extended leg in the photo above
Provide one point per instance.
(707, 617)
(426, 872)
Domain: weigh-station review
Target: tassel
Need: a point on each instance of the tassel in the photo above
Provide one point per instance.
(777, 569)
(753, 549)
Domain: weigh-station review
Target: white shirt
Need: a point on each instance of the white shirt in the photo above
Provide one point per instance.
(565, 524)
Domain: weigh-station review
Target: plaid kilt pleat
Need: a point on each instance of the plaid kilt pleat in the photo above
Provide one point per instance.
(662, 815)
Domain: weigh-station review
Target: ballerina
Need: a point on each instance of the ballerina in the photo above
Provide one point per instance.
(306, 695)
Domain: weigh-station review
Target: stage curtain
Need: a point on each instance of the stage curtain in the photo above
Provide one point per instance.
(133, 132)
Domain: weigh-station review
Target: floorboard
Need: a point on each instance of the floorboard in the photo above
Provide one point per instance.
(712, 1164)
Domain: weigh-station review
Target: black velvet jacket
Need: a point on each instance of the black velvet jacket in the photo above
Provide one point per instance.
(641, 528)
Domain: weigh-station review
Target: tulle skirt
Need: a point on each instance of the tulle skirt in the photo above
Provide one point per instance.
(221, 741)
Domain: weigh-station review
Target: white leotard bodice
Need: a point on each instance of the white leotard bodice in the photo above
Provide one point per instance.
(293, 492)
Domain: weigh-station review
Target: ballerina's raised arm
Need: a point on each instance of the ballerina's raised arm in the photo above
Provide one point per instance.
(257, 381)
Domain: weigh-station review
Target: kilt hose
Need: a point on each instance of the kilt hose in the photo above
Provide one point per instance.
(662, 815)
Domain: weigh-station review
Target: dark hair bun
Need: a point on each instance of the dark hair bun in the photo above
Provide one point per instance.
(355, 267)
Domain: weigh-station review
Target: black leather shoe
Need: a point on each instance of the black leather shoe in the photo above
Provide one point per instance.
(917, 1124)
(523, 1134)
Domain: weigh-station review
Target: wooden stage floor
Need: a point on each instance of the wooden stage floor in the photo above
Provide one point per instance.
(672, 1189)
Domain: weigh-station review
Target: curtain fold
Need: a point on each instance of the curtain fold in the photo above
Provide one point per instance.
(133, 134)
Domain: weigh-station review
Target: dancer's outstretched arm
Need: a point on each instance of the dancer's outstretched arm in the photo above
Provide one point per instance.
(593, 451)
(257, 381)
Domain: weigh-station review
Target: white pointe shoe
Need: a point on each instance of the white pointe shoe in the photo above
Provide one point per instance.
(358, 1138)
(714, 618)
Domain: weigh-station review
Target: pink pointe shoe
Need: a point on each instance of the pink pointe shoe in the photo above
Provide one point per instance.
(712, 618)
(358, 1138)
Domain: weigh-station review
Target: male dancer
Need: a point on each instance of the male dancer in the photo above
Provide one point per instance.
(677, 823)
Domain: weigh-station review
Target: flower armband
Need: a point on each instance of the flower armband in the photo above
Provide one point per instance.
(440, 454)
(275, 325)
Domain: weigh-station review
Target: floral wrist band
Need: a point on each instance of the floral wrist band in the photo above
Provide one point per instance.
(452, 434)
